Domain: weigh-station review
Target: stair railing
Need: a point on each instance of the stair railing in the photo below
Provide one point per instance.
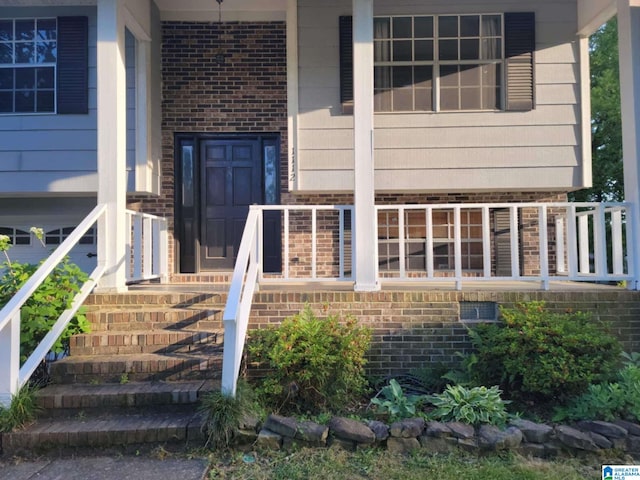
(238, 307)
(12, 376)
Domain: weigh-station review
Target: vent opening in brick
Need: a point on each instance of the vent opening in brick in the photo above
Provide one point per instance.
(478, 311)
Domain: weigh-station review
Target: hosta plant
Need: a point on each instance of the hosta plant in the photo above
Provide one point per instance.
(478, 405)
(393, 402)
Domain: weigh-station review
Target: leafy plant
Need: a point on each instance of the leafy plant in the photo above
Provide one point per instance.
(466, 373)
(44, 307)
(395, 403)
(224, 414)
(469, 405)
(606, 401)
(535, 352)
(22, 410)
(313, 363)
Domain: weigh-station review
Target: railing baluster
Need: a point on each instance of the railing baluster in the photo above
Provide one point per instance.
(147, 239)
(314, 243)
(560, 251)
(616, 241)
(544, 246)
(286, 243)
(137, 246)
(341, 214)
(9, 359)
(600, 241)
(401, 243)
(514, 242)
(572, 241)
(429, 246)
(583, 229)
(486, 242)
(128, 249)
(457, 248)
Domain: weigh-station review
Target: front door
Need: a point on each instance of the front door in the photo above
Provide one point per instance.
(230, 173)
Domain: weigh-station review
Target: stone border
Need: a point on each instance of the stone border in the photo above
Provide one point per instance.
(523, 436)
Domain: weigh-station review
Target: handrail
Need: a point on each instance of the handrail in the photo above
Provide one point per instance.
(14, 305)
(238, 306)
(12, 377)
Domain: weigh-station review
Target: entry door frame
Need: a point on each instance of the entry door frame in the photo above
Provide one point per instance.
(188, 189)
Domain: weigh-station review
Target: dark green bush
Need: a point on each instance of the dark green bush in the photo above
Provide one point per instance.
(541, 355)
(313, 364)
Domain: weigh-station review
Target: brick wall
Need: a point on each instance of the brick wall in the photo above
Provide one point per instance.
(413, 329)
(247, 94)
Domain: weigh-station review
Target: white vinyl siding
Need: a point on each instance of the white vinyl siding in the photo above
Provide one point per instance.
(445, 151)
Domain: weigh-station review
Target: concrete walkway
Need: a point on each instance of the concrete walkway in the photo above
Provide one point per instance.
(102, 468)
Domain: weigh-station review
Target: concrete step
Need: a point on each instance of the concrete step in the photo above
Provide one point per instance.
(112, 429)
(203, 363)
(71, 400)
(147, 341)
(109, 318)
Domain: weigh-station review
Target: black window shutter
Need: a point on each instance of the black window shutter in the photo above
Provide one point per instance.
(346, 64)
(520, 46)
(73, 65)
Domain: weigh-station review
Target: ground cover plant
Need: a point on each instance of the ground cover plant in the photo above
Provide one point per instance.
(22, 410)
(313, 364)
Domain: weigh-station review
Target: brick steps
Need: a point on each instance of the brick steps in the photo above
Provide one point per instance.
(152, 318)
(146, 341)
(206, 363)
(68, 400)
(136, 378)
(106, 430)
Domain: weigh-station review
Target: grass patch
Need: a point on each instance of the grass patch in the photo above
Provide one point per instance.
(373, 464)
(22, 411)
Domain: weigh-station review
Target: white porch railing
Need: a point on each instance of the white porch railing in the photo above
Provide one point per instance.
(537, 242)
(147, 256)
(148, 248)
(12, 376)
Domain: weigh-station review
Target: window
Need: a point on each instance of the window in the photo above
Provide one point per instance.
(57, 236)
(16, 236)
(465, 62)
(28, 56)
(445, 62)
(415, 235)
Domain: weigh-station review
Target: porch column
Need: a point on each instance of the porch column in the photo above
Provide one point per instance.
(112, 108)
(629, 48)
(366, 245)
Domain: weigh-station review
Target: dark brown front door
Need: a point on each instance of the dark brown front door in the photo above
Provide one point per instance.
(231, 182)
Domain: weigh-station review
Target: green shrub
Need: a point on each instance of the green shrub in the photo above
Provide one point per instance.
(313, 363)
(537, 354)
(392, 401)
(44, 307)
(477, 405)
(607, 401)
(22, 411)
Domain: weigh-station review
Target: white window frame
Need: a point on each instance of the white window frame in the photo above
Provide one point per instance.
(14, 233)
(436, 63)
(14, 66)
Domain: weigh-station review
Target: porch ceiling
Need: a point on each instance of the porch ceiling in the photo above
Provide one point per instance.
(232, 10)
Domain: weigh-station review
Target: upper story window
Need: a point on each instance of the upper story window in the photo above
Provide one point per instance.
(438, 63)
(447, 63)
(28, 57)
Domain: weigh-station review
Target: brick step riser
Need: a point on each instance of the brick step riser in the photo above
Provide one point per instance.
(94, 412)
(156, 300)
(116, 435)
(130, 320)
(201, 326)
(129, 343)
(154, 371)
(199, 348)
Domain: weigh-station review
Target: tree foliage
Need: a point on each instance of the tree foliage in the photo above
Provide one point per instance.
(606, 123)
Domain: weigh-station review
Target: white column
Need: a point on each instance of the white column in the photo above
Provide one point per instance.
(292, 93)
(366, 250)
(629, 48)
(112, 107)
